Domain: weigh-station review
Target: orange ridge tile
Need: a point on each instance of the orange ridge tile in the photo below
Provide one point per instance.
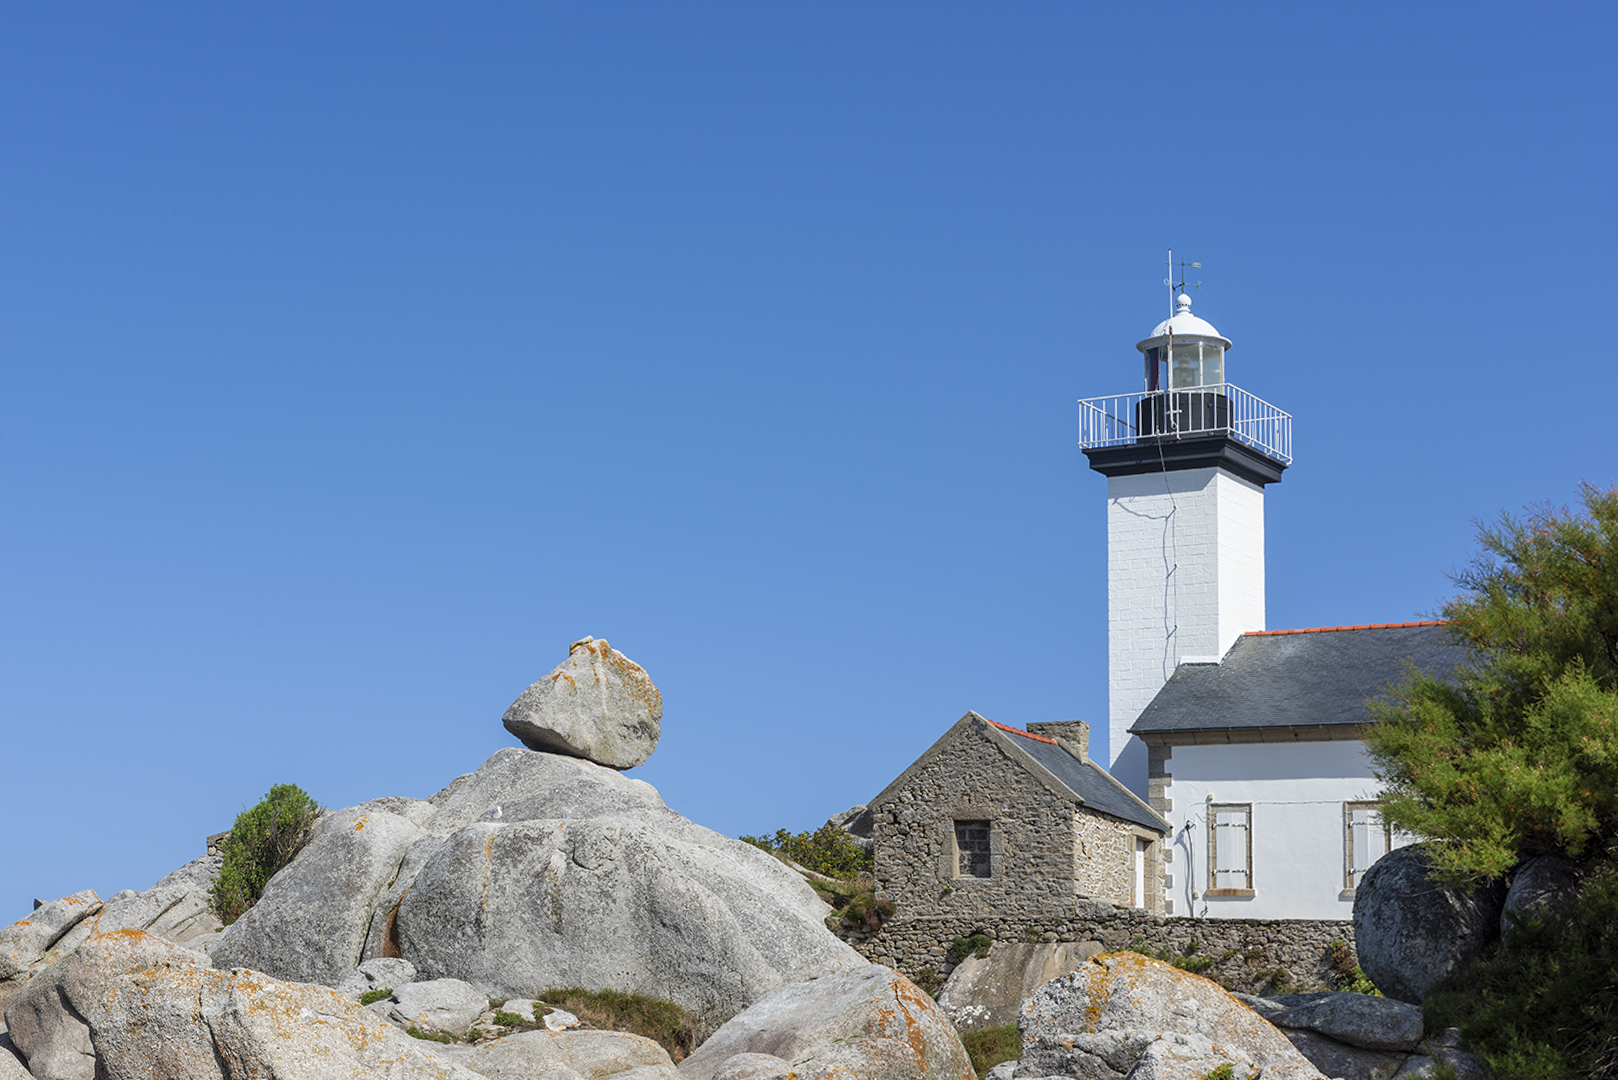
(1333, 629)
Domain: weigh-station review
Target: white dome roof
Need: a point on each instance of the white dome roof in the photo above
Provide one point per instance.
(1184, 324)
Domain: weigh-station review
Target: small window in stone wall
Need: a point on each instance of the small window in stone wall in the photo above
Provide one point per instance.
(972, 848)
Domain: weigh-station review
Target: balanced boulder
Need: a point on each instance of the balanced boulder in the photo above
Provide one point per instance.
(872, 1023)
(598, 704)
(1411, 933)
(1101, 1021)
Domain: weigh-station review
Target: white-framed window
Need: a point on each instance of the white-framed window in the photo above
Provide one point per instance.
(1366, 838)
(972, 849)
(1230, 848)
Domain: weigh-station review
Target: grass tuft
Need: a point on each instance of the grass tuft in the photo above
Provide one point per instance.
(661, 1021)
(988, 1047)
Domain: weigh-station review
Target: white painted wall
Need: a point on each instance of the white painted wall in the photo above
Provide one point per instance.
(1185, 577)
(1297, 790)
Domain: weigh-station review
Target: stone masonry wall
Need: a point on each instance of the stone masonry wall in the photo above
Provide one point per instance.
(1046, 853)
(1105, 862)
(1030, 836)
(1255, 955)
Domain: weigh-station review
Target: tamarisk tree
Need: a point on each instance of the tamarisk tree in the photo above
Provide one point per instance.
(1516, 753)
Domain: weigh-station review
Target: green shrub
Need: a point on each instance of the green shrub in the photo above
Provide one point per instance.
(828, 850)
(1515, 753)
(661, 1021)
(430, 1036)
(929, 981)
(1223, 1072)
(371, 997)
(263, 840)
(988, 1047)
(976, 945)
(509, 1019)
(1543, 1004)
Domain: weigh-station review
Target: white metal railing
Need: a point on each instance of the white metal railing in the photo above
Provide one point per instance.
(1191, 412)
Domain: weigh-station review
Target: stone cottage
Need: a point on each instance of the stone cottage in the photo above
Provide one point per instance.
(995, 822)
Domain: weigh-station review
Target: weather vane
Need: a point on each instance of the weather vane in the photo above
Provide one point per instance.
(1180, 286)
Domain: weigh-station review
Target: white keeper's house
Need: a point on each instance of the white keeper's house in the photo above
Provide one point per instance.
(1245, 740)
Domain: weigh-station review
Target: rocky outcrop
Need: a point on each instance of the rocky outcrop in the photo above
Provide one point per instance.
(1360, 1037)
(1548, 884)
(989, 991)
(592, 1055)
(25, 942)
(311, 923)
(556, 871)
(598, 704)
(873, 1024)
(178, 908)
(860, 826)
(1411, 933)
(1103, 1021)
(128, 1004)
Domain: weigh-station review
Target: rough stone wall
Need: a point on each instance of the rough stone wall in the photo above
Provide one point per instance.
(1047, 854)
(1031, 837)
(1245, 954)
(1105, 860)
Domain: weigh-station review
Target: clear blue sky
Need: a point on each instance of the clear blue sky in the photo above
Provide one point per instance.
(356, 358)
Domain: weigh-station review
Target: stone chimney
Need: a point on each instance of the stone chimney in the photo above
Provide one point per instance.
(1072, 735)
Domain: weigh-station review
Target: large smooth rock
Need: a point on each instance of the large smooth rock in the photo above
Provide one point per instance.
(988, 992)
(311, 923)
(593, 1055)
(153, 1009)
(1410, 933)
(873, 1024)
(26, 941)
(51, 1019)
(1548, 883)
(598, 704)
(586, 879)
(1371, 1023)
(439, 1004)
(1099, 1021)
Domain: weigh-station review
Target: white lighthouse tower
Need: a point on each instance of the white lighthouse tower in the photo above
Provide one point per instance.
(1186, 459)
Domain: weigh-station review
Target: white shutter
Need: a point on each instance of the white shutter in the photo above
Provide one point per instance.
(1231, 847)
(1368, 840)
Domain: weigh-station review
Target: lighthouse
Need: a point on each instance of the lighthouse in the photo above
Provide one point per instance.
(1187, 458)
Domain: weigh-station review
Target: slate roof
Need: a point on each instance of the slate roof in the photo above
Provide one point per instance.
(1296, 678)
(1086, 779)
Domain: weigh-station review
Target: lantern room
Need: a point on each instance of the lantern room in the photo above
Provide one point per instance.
(1184, 352)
